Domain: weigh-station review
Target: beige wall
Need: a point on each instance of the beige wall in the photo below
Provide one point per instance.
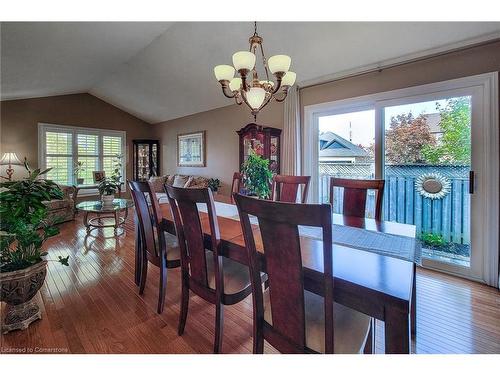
(221, 123)
(20, 118)
(221, 139)
(477, 60)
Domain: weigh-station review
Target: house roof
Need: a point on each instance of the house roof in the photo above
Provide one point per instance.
(433, 120)
(333, 145)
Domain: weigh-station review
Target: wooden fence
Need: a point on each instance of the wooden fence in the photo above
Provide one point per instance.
(449, 217)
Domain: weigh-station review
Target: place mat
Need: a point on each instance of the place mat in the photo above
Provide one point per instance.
(393, 245)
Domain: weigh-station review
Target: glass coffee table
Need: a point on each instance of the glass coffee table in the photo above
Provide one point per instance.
(104, 212)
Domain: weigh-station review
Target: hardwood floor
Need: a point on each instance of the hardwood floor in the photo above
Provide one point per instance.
(93, 306)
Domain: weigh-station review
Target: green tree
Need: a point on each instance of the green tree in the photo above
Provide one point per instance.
(455, 145)
(406, 138)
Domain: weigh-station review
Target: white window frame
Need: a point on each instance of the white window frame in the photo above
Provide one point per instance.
(74, 130)
(487, 87)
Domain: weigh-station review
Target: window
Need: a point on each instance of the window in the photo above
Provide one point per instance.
(63, 147)
(436, 134)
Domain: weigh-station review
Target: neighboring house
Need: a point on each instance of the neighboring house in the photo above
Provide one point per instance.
(433, 120)
(335, 149)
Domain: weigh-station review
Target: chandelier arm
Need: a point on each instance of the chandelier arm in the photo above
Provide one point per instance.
(279, 100)
(279, 77)
(236, 97)
(266, 102)
(224, 91)
(244, 97)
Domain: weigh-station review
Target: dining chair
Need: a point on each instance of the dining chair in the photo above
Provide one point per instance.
(290, 318)
(355, 192)
(156, 246)
(216, 279)
(237, 184)
(284, 188)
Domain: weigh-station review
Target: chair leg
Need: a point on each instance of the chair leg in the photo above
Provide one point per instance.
(370, 340)
(219, 325)
(138, 254)
(184, 309)
(163, 286)
(258, 340)
(144, 274)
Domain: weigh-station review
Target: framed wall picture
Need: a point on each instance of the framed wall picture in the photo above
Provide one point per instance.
(98, 175)
(191, 149)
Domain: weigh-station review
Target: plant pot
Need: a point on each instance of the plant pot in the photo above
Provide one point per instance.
(80, 181)
(19, 290)
(107, 200)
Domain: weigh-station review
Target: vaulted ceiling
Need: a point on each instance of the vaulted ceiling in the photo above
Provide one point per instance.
(160, 71)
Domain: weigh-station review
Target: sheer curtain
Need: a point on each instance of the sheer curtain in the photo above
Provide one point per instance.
(290, 160)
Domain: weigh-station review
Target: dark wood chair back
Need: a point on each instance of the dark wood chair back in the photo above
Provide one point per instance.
(183, 203)
(355, 192)
(278, 223)
(237, 184)
(285, 188)
(149, 219)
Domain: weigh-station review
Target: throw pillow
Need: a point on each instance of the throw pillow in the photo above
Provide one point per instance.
(170, 179)
(199, 182)
(180, 181)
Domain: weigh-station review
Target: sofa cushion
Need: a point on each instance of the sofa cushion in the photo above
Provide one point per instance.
(57, 204)
(169, 179)
(180, 181)
(157, 183)
(198, 182)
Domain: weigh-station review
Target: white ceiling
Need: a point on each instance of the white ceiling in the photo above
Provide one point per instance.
(161, 71)
(51, 58)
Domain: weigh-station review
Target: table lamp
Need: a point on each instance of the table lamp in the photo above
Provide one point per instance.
(10, 159)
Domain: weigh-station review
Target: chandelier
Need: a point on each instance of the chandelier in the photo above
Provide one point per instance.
(255, 93)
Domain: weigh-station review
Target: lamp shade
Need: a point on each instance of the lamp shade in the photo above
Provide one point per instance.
(10, 158)
(235, 84)
(279, 63)
(255, 97)
(224, 72)
(288, 79)
(244, 60)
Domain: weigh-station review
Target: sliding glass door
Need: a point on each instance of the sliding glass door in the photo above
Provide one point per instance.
(436, 146)
(428, 160)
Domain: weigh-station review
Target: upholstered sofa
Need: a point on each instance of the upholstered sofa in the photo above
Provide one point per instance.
(176, 180)
(61, 210)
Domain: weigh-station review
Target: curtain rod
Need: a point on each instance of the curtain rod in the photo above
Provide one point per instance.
(406, 62)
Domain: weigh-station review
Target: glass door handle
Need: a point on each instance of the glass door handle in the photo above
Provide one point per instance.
(471, 182)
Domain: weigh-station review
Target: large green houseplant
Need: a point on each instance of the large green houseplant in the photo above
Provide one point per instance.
(108, 186)
(257, 175)
(23, 230)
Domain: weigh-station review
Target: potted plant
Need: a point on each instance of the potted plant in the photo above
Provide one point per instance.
(257, 175)
(108, 186)
(76, 171)
(23, 230)
(214, 185)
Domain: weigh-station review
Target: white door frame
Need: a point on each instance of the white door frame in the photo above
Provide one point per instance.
(485, 87)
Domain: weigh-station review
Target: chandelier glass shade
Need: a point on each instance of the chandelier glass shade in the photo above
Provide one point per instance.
(248, 88)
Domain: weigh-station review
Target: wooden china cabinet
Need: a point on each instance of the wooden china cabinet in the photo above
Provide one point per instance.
(264, 140)
(146, 158)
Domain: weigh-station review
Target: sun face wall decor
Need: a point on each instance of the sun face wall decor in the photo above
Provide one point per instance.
(433, 185)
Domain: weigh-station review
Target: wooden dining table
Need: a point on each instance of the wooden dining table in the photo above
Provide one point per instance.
(378, 285)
